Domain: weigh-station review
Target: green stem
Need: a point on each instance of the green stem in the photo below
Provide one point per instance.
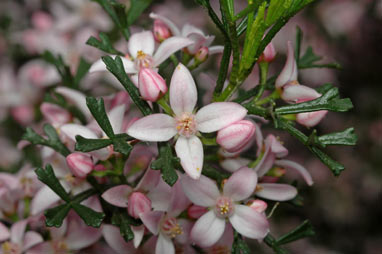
(272, 96)
(165, 106)
(254, 163)
(250, 8)
(208, 141)
(263, 79)
(223, 69)
(174, 60)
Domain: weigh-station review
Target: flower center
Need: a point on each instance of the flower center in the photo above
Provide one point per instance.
(143, 60)
(224, 207)
(186, 125)
(171, 227)
(11, 248)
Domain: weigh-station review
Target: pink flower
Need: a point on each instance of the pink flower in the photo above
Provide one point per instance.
(225, 206)
(210, 118)
(55, 115)
(151, 85)
(80, 164)
(236, 136)
(161, 31)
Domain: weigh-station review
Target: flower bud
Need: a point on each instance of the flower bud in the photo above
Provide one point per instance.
(80, 164)
(289, 72)
(202, 54)
(42, 20)
(311, 119)
(23, 114)
(161, 31)
(151, 85)
(195, 211)
(268, 54)
(296, 93)
(138, 203)
(235, 136)
(55, 114)
(258, 205)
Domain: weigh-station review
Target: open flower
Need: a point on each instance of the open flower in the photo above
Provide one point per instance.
(210, 227)
(185, 123)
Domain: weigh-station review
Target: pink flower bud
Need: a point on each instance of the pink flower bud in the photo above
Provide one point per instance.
(23, 114)
(55, 114)
(202, 54)
(42, 20)
(311, 119)
(138, 203)
(151, 85)
(80, 164)
(268, 54)
(161, 31)
(296, 93)
(289, 72)
(258, 205)
(235, 136)
(195, 211)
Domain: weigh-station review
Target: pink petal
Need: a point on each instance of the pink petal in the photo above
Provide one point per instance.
(208, 229)
(116, 116)
(215, 50)
(183, 93)
(190, 152)
(293, 93)
(160, 196)
(236, 136)
(179, 201)
(17, 231)
(79, 235)
(149, 180)
(233, 164)
(311, 119)
(43, 199)
(169, 47)
(202, 192)
(164, 245)
(9, 180)
(117, 195)
(276, 147)
(143, 41)
(259, 139)
(139, 232)
(276, 191)
(249, 223)
(114, 239)
(291, 165)
(99, 65)
(289, 72)
(4, 232)
(59, 233)
(218, 115)
(171, 25)
(155, 127)
(77, 98)
(31, 239)
(72, 130)
(45, 247)
(151, 220)
(241, 184)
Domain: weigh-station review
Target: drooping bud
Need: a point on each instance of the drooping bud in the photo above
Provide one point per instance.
(195, 211)
(138, 203)
(161, 31)
(289, 72)
(235, 136)
(268, 54)
(202, 54)
(80, 164)
(258, 205)
(55, 114)
(151, 85)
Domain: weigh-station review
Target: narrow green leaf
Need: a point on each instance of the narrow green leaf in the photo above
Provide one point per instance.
(97, 108)
(309, 59)
(302, 231)
(239, 246)
(54, 141)
(137, 7)
(61, 67)
(82, 70)
(88, 215)
(335, 166)
(31, 136)
(271, 242)
(103, 44)
(117, 69)
(166, 163)
(346, 138)
(48, 177)
(121, 146)
(88, 145)
(56, 215)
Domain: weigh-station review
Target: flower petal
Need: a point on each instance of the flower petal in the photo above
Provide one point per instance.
(171, 25)
(117, 195)
(149, 180)
(114, 239)
(291, 165)
(190, 152)
(183, 93)
(43, 199)
(276, 191)
(168, 47)
(31, 238)
(202, 192)
(79, 235)
(289, 72)
(208, 229)
(17, 231)
(215, 50)
(99, 65)
(293, 93)
(218, 115)
(151, 220)
(4, 232)
(155, 127)
(139, 232)
(164, 245)
(310, 119)
(77, 98)
(241, 184)
(249, 223)
(116, 116)
(72, 130)
(143, 41)
(233, 164)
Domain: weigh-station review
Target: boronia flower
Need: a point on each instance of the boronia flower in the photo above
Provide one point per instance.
(186, 123)
(225, 206)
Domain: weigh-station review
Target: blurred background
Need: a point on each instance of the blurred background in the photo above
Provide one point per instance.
(345, 211)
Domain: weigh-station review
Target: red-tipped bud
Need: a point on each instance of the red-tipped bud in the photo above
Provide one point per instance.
(268, 54)
(161, 31)
(138, 203)
(195, 211)
(235, 136)
(55, 114)
(258, 205)
(202, 54)
(151, 85)
(80, 164)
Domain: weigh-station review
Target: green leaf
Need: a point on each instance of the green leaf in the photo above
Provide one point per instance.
(213, 173)
(309, 59)
(124, 221)
(82, 70)
(120, 145)
(56, 215)
(88, 145)
(328, 101)
(137, 7)
(97, 108)
(335, 166)
(276, 9)
(48, 177)
(116, 67)
(271, 242)
(346, 138)
(103, 44)
(166, 163)
(239, 246)
(302, 231)
(299, 35)
(62, 68)
(88, 215)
